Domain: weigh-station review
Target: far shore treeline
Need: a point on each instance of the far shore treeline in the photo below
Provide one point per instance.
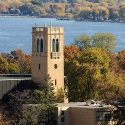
(93, 10)
(92, 69)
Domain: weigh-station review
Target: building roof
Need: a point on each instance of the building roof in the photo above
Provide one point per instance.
(6, 77)
(97, 104)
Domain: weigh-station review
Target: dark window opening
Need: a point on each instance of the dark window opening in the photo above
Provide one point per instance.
(53, 45)
(55, 82)
(55, 66)
(41, 45)
(37, 49)
(39, 66)
(57, 45)
(62, 112)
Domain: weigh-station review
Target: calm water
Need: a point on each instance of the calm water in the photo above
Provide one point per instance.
(16, 32)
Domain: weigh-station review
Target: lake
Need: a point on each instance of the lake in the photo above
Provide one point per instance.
(16, 32)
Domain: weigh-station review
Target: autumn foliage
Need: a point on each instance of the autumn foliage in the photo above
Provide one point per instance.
(90, 71)
(15, 63)
(94, 73)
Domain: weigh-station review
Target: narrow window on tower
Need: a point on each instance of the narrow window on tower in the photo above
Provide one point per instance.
(53, 45)
(57, 45)
(41, 45)
(39, 67)
(37, 46)
(55, 82)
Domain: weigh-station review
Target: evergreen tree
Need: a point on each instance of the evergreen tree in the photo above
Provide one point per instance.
(47, 115)
(49, 91)
(45, 95)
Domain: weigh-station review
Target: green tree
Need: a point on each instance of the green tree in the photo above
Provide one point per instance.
(45, 95)
(3, 65)
(13, 68)
(49, 91)
(82, 41)
(60, 95)
(48, 115)
(85, 71)
(46, 98)
(106, 41)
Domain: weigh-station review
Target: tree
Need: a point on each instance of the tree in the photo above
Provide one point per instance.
(16, 62)
(60, 95)
(122, 11)
(112, 88)
(3, 8)
(84, 72)
(103, 13)
(49, 91)
(114, 13)
(121, 59)
(13, 68)
(46, 98)
(94, 65)
(82, 41)
(85, 13)
(17, 105)
(71, 52)
(58, 9)
(69, 15)
(48, 115)
(45, 95)
(3, 65)
(23, 61)
(105, 41)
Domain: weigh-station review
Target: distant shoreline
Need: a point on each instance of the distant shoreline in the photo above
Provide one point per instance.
(16, 16)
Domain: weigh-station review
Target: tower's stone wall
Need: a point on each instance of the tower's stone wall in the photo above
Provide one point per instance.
(48, 62)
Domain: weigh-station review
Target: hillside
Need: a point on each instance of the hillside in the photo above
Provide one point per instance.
(8, 2)
(5, 5)
(93, 10)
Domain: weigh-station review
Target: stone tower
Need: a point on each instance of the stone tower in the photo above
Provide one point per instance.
(48, 55)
